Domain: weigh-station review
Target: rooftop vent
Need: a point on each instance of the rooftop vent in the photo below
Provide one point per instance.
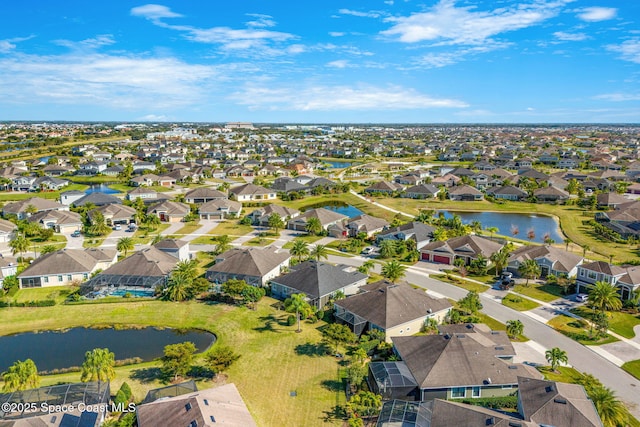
(549, 389)
(560, 400)
(499, 348)
(487, 381)
(490, 421)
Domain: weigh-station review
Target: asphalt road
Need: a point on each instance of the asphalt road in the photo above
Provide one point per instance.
(580, 357)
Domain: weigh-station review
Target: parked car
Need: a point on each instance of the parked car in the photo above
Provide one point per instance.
(117, 227)
(506, 280)
(76, 233)
(582, 297)
(367, 251)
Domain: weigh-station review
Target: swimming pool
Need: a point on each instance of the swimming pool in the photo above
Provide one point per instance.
(133, 292)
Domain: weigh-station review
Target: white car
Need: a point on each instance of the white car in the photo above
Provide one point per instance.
(367, 250)
(582, 297)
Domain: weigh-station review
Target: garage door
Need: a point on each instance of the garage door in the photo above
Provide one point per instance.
(425, 256)
(441, 259)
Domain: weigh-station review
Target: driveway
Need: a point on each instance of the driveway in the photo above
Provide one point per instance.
(206, 225)
(74, 242)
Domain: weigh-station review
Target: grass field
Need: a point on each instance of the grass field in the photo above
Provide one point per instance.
(633, 368)
(619, 322)
(578, 330)
(230, 227)
(461, 283)
(56, 293)
(265, 379)
(519, 303)
(187, 229)
(544, 293)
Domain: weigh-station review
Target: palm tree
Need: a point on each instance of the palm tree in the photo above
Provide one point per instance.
(492, 231)
(366, 267)
(152, 221)
(319, 252)
(387, 248)
(125, 244)
(178, 287)
(300, 249)
(612, 411)
(187, 268)
(276, 222)
(604, 296)
(514, 328)
(314, 226)
(98, 365)
(585, 249)
(299, 304)
(157, 238)
(223, 245)
(500, 259)
(425, 216)
(19, 244)
(567, 242)
(21, 376)
(529, 269)
(555, 356)
(393, 271)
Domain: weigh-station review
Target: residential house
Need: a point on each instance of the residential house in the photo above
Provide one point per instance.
(550, 194)
(507, 192)
(22, 209)
(65, 266)
(148, 268)
(463, 361)
(59, 221)
(68, 198)
(174, 247)
(169, 211)
(552, 261)
(256, 266)
(252, 192)
(98, 198)
(396, 309)
(419, 232)
(219, 405)
(319, 281)
(421, 191)
(367, 224)
(143, 193)
(8, 267)
(625, 278)
(260, 216)
(7, 230)
(145, 180)
(384, 187)
(220, 209)
(115, 214)
(465, 193)
(287, 185)
(467, 248)
(203, 195)
(326, 217)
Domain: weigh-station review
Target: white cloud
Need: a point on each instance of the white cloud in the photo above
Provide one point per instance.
(123, 82)
(619, 97)
(570, 37)
(341, 63)
(261, 21)
(338, 98)
(154, 12)
(447, 24)
(595, 14)
(7, 45)
(336, 33)
(370, 14)
(443, 59)
(154, 118)
(629, 50)
(92, 43)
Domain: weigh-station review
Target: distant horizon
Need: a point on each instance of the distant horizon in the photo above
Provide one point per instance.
(382, 61)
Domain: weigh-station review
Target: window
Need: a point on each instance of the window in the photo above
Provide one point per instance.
(475, 392)
(85, 276)
(69, 278)
(60, 278)
(592, 275)
(581, 273)
(46, 279)
(507, 387)
(458, 392)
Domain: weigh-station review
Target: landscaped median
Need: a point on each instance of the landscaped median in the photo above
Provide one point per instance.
(271, 366)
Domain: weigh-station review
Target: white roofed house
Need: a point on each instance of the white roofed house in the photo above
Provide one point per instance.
(66, 266)
(252, 192)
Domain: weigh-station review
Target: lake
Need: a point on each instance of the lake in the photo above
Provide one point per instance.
(56, 349)
(103, 188)
(336, 206)
(508, 222)
(338, 165)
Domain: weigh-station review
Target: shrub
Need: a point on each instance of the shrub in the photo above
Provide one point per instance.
(291, 320)
(500, 402)
(126, 390)
(120, 398)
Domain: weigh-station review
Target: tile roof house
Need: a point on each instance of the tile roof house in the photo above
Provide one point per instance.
(261, 215)
(60, 221)
(21, 208)
(219, 405)
(625, 278)
(552, 261)
(65, 266)
(367, 224)
(475, 363)
(256, 266)
(418, 231)
(252, 192)
(318, 280)
(465, 247)
(169, 211)
(396, 309)
(220, 209)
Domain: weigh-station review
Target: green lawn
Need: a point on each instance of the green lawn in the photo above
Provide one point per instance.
(264, 378)
(498, 326)
(563, 374)
(230, 227)
(309, 238)
(260, 241)
(187, 229)
(461, 282)
(545, 293)
(633, 368)
(56, 293)
(619, 322)
(144, 236)
(578, 330)
(519, 303)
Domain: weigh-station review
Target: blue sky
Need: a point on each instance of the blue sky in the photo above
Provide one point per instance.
(374, 61)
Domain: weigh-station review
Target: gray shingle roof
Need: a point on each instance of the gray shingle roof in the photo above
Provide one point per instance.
(97, 198)
(318, 279)
(254, 262)
(146, 262)
(67, 261)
